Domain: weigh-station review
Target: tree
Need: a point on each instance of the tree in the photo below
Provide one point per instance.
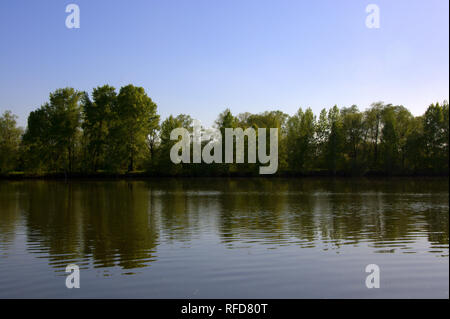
(335, 140)
(134, 117)
(352, 123)
(65, 116)
(269, 119)
(36, 142)
(415, 146)
(152, 143)
(372, 121)
(53, 131)
(97, 123)
(169, 124)
(436, 136)
(404, 127)
(227, 120)
(300, 140)
(321, 138)
(445, 133)
(10, 138)
(389, 139)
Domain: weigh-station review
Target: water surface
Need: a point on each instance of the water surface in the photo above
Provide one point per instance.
(225, 238)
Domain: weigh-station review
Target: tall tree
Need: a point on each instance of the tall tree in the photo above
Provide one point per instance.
(36, 142)
(415, 146)
(53, 131)
(10, 137)
(300, 140)
(97, 123)
(372, 122)
(436, 136)
(389, 139)
(65, 119)
(134, 117)
(169, 124)
(321, 138)
(227, 120)
(352, 122)
(335, 140)
(269, 119)
(404, 127)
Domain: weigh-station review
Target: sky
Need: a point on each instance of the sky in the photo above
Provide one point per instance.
(199, 57)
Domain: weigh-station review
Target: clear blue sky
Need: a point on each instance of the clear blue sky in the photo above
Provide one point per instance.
(200, 56)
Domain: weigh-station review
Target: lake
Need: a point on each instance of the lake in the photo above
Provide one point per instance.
(225, 238)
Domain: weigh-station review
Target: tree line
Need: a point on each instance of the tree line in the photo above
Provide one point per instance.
(110, 132)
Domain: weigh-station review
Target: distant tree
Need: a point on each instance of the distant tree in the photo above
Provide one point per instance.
(54, 130)
(335, 141)
(133, 118)
(37, 150)
(353, 129)
(152, 143)
(227, 120)
(10, 137)
(268, 119)
(373, 126)
(322, 134)
(169, 124)
(65, 119)
(389, 139)
(445, 128)
(300, 140)
(404, 127)
(415, 147)
(436, 136)
(97, 122)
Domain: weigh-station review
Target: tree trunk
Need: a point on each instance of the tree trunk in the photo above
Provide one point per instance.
(130, 166)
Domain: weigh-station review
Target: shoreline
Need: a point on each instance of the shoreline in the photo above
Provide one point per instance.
(149, 175)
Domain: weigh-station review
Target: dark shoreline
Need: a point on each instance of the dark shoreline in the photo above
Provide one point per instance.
(147, 175)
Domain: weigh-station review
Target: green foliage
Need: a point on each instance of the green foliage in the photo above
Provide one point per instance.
(300, 140)
(97, 124)
(163, 156)
(53, 133)
(110, 132)
(133, 119)
(10, 136)
(334, 145)
(436, 136)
